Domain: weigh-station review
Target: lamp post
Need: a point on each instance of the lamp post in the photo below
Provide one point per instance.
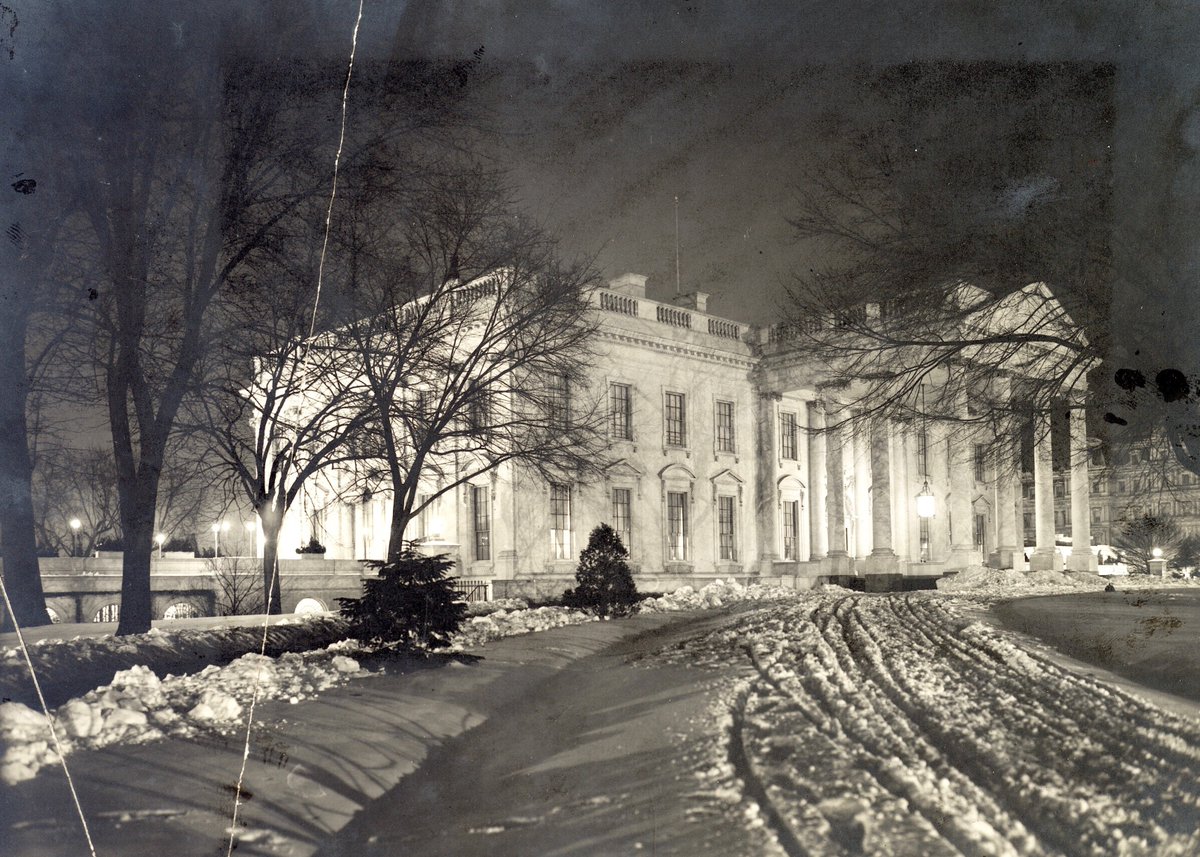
(218, 528)
(159, 538)
(75, 524)
(1158, 565)
(926, 509)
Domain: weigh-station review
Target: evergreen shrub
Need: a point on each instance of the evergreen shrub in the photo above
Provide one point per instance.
(412, 602)
(604, 583)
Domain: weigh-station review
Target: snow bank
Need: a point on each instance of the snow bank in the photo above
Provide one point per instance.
(507, 623)
(715, 594)
(1005, 581)
(138, 706)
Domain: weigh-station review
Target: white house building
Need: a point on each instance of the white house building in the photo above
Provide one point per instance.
(721, 463)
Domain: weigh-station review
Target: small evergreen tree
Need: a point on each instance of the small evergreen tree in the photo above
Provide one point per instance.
(412, 602)
(604, 582)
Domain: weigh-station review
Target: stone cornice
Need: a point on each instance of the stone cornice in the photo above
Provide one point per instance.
(688, 349)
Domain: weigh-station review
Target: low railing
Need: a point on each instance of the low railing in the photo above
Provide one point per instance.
(622, 304)
(472, 589)
(724, 329)
(674, 317)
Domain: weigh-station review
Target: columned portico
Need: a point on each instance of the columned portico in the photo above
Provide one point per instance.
(1081, 558)
(1045, 556)
(817, 466)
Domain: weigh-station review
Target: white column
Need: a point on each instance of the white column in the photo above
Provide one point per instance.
(883, 558)
(1009, 527)
(862, 492)
(835, 474)
(1081, 558)
(817, 464)
(1045, 557)
(766, 491)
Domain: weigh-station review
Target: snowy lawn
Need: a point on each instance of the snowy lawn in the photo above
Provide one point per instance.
(143, 701)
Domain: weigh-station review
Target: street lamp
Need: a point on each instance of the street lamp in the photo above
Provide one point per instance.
(1156, 553)
(218, 528)
(158, 540)
(75, 524)
(926, 504)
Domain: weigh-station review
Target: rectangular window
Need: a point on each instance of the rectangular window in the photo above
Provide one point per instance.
(479, 411)
(620, 412)
(677, 525)
(726, 535)
(725, 427)
(1120, 487)
(560, 520)
(675, 413)
(980, 462)
(1027, 522)
(787, 436)
(923, 453)
(558, 401)
(981, 532)
(925, 554)
(1096, 516)
(1058, 489)
(791, 521)
(622, 520)
(482, 522)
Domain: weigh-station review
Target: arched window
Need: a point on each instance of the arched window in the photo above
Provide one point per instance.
(310, 605)
(182, 610)
(53, 614)
(108, 613)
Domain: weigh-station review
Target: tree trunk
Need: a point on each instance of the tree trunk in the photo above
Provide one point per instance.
(22, 577)
(137, 525)
(399, 524)
(272, 522)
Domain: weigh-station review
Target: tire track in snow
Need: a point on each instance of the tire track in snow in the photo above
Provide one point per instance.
(894, 725)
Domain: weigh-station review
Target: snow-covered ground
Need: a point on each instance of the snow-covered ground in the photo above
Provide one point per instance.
(137, 706)
(881, 724)
(899, 725)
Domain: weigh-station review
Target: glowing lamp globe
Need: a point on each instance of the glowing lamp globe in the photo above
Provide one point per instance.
(926, 506)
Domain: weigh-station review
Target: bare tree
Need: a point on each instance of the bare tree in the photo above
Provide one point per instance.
(1139, 538)
(473, 339)
(957, 239)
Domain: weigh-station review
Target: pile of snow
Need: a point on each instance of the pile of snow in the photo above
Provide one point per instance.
(138, 706)
(482, 608)
(716, 594)
(507, 623)
(981, 580)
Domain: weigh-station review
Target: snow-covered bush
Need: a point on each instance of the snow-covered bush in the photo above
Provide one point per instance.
(412, 602)
(604, 583)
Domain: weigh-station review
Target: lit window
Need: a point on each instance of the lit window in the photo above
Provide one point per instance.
(725, 436)
(482, 522)
(620, 412)
(181, 610)
(622, 515)
(560, 520)
(791, 521)
(726, 529)
(677, 525)
(676, 418)
(787, 436)
(108, 613)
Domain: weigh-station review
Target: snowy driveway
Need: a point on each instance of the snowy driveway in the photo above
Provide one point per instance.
(897, 725)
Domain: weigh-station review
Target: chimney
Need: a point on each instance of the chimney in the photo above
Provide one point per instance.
(693, 300)
(633, 285)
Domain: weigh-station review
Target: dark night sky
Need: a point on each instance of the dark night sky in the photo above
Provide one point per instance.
(608, 110)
